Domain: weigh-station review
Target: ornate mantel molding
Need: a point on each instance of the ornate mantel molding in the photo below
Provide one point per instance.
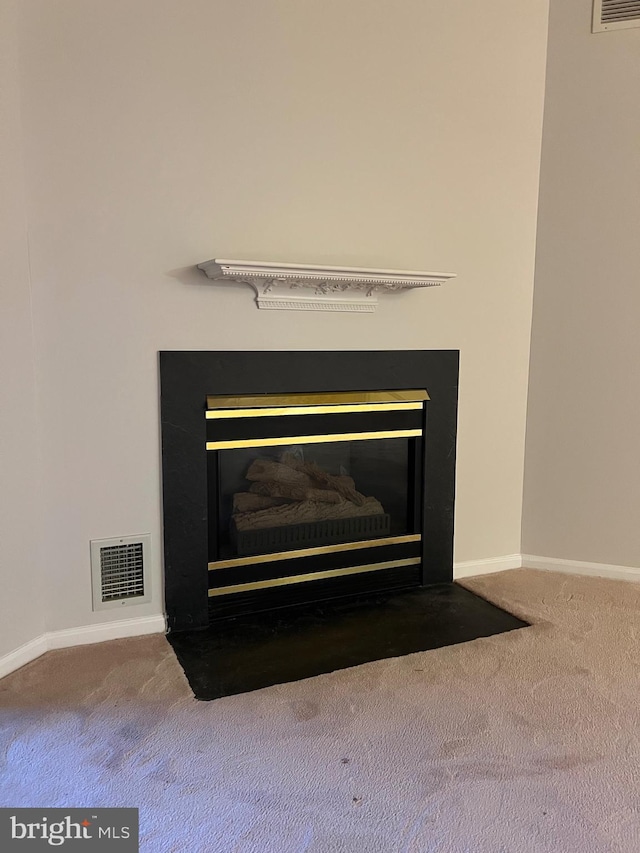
(296, 287)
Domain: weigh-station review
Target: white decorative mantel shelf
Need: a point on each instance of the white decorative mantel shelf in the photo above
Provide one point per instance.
(297, 287)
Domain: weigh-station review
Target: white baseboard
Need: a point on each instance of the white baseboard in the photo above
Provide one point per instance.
(486, 567)
(106, 631)
(549, 564)
(156, 624)
(79, 637)
(23, 655)
(578, 567)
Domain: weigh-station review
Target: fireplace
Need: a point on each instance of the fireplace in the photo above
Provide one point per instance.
(298, 477)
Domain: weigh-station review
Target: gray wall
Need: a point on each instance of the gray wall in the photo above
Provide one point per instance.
(21, 612)
(582, 470)
(161, 133)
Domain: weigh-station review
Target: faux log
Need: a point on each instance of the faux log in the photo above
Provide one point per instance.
(295, 493)
(342, 484)
(268, 470)
(246, 502)
(304, 511)
(296, 471)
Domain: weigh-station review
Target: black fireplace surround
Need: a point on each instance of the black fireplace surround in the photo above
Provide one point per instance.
(191, 474)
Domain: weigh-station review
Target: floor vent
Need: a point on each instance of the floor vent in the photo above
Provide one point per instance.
(615, 15)
(119, 571)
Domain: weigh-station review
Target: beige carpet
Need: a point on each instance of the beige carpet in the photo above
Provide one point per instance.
(526, 741)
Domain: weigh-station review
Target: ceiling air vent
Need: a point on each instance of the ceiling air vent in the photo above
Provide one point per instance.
(615, 15)
(119, 571)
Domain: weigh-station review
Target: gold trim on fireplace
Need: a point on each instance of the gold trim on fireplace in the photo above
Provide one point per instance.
(341, 399)
(315, 576)
(362, 408)
(311, 439)
(316, 550)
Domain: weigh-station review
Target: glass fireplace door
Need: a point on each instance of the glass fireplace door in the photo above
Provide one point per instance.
(300, 496)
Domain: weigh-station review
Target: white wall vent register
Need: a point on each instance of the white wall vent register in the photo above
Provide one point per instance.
(615, 15)
(119, 571)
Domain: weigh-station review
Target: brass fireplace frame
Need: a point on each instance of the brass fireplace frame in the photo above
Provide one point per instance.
(226, 409)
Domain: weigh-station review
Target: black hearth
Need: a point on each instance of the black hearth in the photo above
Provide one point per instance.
(287, 644)
(341, 485)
